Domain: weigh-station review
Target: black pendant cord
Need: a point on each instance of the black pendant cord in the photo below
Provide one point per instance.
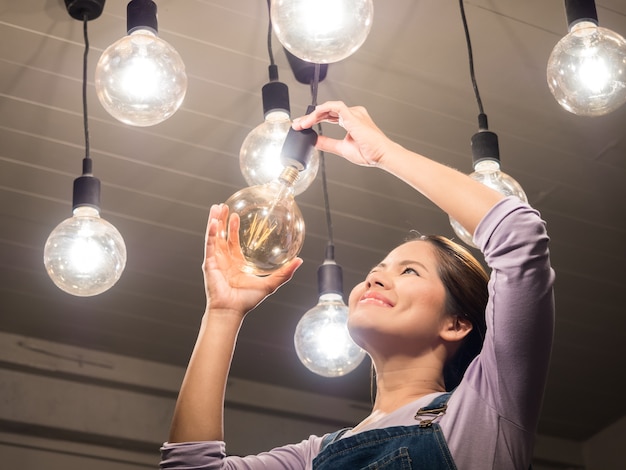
(315, 84)
(314, 90)
(87, 160)
(329, 222)
(482, 116)
(270, 50)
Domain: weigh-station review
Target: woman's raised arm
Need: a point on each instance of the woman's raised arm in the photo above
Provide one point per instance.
(198, 415)
(461, 197)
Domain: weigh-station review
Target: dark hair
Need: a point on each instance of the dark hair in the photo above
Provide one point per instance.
(465, 282)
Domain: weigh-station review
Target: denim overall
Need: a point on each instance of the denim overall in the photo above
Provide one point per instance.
(421, 446)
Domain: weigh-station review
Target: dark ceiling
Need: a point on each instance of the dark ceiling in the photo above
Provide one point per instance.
(412, 74)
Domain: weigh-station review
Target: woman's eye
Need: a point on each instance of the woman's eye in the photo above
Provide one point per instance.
(410, 271)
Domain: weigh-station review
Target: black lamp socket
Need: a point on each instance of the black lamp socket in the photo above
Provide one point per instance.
(298, 147)
(330, 278)
(580, 10)
(141, 14)
(275, 97)
(304, 71)
(86, 192)
(485, 146)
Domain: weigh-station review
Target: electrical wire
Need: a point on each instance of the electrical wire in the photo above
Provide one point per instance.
(471, 61)
(270, 51)
(87, 159)
(329, 222)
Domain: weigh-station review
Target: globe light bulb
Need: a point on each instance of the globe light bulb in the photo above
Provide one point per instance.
(586, 70)
(140, 79)
(271, 231)
(486, 156)
(322, 341)
(85, 255)
(322, 31)
(259, 154)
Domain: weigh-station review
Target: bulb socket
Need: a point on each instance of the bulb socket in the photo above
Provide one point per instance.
(86, 192)
(275, 97)
(485, 146)
(298, 148)
(79, 9)
(580, 10)
(304, 71)
(330, 278)
(141, 14)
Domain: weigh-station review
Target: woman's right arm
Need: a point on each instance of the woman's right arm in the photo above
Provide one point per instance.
(461, 197)
(198, 415)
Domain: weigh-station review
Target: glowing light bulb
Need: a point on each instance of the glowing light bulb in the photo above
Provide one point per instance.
(322, 31)
(322, 341)
(271, 232)
(140, 79)
(486, 156)
(587, 68)
(85, 255)
(259, 154)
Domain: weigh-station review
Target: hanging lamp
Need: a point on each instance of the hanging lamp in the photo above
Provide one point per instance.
(485, 150)
(259, 155)
(587, 68)
(85, 255)
(140, 79)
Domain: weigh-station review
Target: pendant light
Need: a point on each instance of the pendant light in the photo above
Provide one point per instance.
(259, 154)
(271, 231)
(486, 162)
(587, 68)
(322, 31)
(85, 255)
(322, 341)
(140, 79)
(485, 150)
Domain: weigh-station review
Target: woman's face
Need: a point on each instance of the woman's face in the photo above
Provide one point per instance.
(400, 305)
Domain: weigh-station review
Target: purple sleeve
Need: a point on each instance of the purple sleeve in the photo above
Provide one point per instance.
(211, 455)
(512, 367)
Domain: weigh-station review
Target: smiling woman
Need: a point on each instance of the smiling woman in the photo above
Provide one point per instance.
(460, 358)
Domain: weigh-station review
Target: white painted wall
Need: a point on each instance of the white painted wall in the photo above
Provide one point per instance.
(70, 408)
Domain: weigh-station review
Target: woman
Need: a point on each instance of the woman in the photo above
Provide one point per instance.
(417, 314)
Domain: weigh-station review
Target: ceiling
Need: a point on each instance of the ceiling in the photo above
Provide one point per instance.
(159, 182)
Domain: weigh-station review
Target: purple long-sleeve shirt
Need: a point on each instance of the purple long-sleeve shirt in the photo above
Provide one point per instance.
(492, 415)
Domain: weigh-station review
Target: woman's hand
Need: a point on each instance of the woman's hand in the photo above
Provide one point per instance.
(364, 143)
(228, 289)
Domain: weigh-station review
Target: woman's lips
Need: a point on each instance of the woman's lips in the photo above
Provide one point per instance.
(375, 298)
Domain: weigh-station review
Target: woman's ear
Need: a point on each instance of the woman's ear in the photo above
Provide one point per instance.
(455, 328)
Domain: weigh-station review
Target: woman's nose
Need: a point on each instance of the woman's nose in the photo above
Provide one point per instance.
(377, 278)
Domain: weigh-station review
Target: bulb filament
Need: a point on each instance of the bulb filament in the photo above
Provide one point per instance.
(260, 229)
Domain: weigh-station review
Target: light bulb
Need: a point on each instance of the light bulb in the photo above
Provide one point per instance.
(322, 31)
(85, 255)
(488, 173)
(322, 340)
(486, 158)
(587, 68)
(140, 79)
(271, 231)
(259, 154)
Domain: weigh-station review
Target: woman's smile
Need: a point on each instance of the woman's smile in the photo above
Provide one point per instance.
(375, 298)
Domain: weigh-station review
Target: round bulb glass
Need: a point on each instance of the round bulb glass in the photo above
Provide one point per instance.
(587, 70)
(140, 79)
(271, 232)
(322, 31)
(322, 340)
(259, 156)
(488, 173)
(85, 255)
